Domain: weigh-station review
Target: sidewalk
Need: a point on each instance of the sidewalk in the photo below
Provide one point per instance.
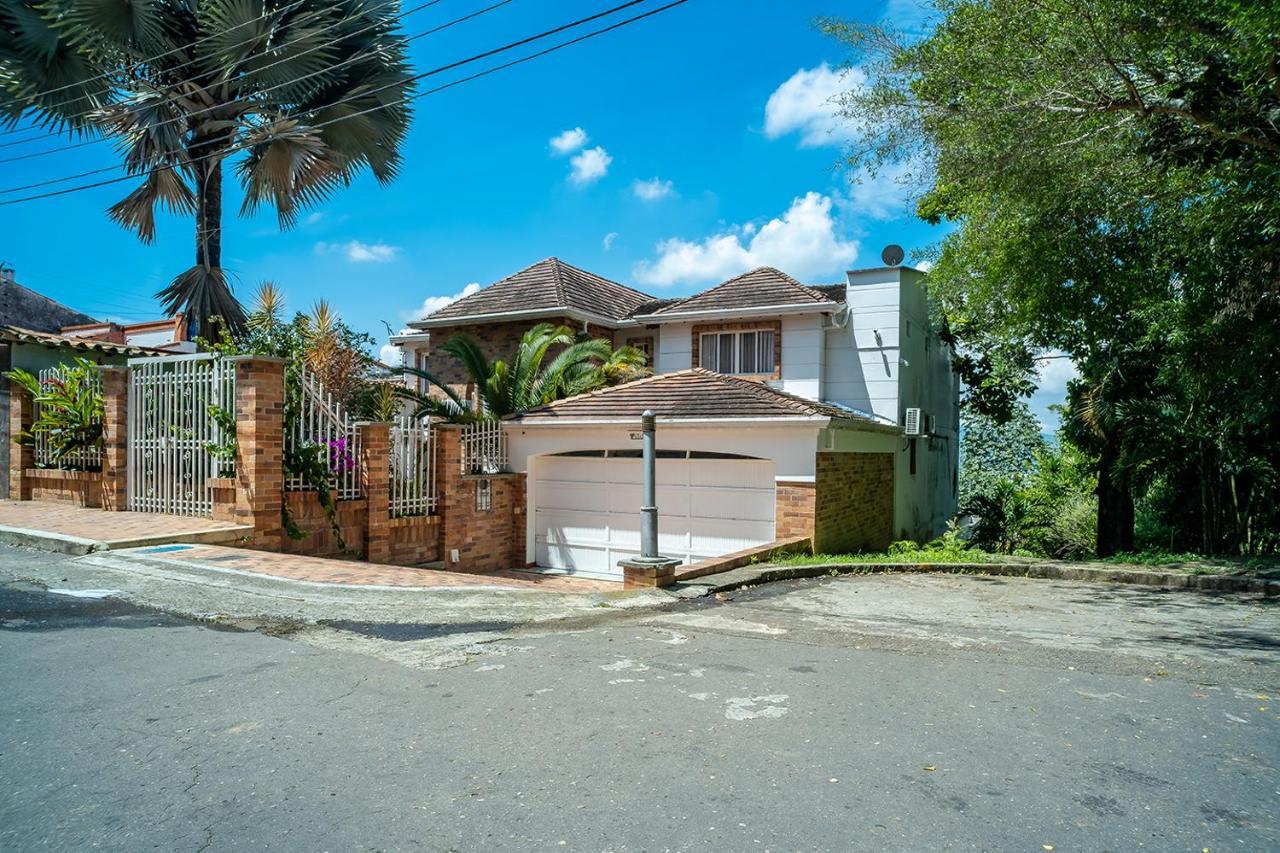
(332, 572)
(68, 529)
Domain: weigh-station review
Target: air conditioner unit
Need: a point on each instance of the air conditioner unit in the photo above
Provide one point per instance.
(911, 423)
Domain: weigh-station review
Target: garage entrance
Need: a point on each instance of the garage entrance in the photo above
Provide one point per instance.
(586, 507)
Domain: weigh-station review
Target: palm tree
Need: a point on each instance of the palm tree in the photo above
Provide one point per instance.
(525, 382)
(305, 93)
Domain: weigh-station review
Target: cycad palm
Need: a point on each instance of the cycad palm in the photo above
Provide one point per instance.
(306, 92)
(525, 382)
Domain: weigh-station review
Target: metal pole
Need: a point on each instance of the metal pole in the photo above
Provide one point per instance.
(649, 509)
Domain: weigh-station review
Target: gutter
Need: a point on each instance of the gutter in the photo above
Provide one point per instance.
(717, 313)
(808, 420)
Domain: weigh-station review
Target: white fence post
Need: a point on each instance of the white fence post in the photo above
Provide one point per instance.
(484, 448)
(324, 423)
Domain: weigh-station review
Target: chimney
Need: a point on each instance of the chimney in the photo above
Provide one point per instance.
(6, 275)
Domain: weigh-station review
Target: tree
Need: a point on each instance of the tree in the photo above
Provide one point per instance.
(1113, 167)
(992, 451)
(525, 381)
(301, 95)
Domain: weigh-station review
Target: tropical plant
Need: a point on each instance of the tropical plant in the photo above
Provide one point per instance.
(301, 95)
(69, 408)
(527, 380)
(991, 451)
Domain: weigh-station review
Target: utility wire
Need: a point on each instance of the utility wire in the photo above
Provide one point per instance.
(186, 116)
(242, 146)
(414, 97)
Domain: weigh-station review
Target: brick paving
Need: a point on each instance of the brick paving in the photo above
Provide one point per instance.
(102, 526)
(357, 573)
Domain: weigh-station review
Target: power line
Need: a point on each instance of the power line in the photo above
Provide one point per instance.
(281, 61)
(242, 146)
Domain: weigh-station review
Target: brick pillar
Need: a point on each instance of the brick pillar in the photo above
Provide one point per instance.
(22, 412)
(453, 491)
(375, 474)
(260, 448)
(115, 438)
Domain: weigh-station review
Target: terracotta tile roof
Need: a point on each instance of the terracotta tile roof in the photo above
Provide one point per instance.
(16, 334)
(693, 393)
(549, 285)
(761, 287)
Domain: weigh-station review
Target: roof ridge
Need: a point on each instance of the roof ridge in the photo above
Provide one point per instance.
(557, 277)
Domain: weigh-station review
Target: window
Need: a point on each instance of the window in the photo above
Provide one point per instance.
(484, 495)
(737, 352)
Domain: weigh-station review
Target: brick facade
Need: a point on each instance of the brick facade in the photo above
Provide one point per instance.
(80, 488)
(21, 457)
(115, 438)
(853, 510)
(795, 503)
(375, 447)
(485, 539)
(260, 448)
(774, 326)
(319, 539)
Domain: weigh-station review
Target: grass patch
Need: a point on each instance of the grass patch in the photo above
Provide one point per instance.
(1197, 564)
(904, 553)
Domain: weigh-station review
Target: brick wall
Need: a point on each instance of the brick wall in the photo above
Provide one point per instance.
(320, 541)
(414, 540)
(795, 503)
(485, 540)
(81, 488)
(853, 509)
(21, 457)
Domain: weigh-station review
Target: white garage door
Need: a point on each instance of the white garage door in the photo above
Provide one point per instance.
(586, 508)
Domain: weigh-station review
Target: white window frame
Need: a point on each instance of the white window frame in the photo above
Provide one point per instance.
(709, 351)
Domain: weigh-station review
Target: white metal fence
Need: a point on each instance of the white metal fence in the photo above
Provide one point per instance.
(82, 458)
(173, 429)
(484, 448)
(412, 469)
(325, 428)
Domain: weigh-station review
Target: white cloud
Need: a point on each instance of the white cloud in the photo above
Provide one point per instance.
(432, 304)
(807, 104)
(802, 242)
(924, 266)
(568, 141)
(653, 189)
(360, 253)
(391, 355)
(589, 166)
(888, 194)
(607, 242)
(313, 218)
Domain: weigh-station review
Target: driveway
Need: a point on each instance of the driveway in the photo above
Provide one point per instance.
(877, 714)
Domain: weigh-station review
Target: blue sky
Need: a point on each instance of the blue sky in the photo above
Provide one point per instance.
(696, 144)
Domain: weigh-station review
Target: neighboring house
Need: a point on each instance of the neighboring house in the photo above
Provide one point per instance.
(169, 335)
(30, 340)
(783, 410)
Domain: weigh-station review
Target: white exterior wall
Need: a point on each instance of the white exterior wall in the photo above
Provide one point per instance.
(675, 347)
(863, 358)
(802, 355)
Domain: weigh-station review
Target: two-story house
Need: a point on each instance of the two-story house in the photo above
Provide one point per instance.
(784, 410)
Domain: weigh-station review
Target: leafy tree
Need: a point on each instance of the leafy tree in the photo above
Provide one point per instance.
(300, 95)
(992, 451)
(1114, 170)
(528, 380)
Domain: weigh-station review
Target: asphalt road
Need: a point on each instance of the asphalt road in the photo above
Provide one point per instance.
(876, 714)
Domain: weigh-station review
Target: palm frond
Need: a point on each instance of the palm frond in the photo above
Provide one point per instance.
(137, 210)
(204, 294)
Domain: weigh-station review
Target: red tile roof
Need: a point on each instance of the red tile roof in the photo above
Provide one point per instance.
(759, 288)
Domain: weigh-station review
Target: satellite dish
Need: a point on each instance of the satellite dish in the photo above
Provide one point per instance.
(892, 255)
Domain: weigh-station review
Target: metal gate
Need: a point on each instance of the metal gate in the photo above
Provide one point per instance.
(173, 424)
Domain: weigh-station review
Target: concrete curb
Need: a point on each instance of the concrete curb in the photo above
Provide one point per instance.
(752, 575)
(76, 546)
(43, 540)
